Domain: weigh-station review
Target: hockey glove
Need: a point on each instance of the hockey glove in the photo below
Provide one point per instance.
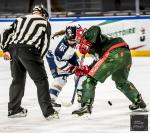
(84, 46)
(70, 68)
(82, 70)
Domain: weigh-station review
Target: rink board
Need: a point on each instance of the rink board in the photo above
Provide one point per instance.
(135, 30)
(133, 52)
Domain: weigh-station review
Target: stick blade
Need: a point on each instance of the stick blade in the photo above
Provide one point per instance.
(66, 104)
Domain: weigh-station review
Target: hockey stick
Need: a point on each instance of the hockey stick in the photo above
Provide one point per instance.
(75, 89)
(137, 47)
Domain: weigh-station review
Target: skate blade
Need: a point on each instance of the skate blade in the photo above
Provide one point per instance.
(17, 115)
(86, 115)
(50, 118)
(141, 110)
(66, 104)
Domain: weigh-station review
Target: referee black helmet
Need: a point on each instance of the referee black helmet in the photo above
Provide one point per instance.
(40, 9)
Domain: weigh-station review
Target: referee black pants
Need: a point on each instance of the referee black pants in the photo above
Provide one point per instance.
(28, 59)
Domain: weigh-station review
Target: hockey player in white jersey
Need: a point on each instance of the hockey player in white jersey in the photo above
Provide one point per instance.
(62, 61)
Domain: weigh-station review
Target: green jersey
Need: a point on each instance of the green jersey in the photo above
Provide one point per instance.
(113, 58)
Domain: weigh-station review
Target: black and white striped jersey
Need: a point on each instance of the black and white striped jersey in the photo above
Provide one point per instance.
(30, 30)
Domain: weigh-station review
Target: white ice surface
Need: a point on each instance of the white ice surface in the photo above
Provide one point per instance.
(104, 119)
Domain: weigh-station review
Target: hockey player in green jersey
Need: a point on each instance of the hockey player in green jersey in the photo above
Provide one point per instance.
(112, 58)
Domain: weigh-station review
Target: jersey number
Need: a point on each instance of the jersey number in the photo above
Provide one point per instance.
(62, 47)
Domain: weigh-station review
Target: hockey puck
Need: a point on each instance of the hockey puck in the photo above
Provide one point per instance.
(110, 103)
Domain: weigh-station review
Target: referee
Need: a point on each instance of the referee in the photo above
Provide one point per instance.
(25, 43)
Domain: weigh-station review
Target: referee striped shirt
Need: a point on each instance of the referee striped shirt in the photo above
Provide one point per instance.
(30, 30)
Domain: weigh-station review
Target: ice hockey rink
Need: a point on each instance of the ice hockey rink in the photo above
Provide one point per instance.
(104, 119)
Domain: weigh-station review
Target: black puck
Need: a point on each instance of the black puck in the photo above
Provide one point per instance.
(110, 103)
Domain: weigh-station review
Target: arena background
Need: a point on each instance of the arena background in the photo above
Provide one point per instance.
(125, 18)
(134, 29)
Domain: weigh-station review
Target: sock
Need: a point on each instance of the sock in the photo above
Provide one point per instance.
(54, 92)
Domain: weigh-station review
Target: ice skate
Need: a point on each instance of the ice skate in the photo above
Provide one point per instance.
(53, 116)
(87, 109)
(56, 105)
(21, 112)
(139, 105)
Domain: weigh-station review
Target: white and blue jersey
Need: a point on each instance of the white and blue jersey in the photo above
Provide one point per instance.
(62, 59)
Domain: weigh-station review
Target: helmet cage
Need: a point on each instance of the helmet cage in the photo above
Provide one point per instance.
(71, 32)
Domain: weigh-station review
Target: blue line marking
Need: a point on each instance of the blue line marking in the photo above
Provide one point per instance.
(100, 18)
(7, 20)
(88, 18)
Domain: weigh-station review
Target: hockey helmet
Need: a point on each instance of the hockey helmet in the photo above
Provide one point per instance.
(40, 9)
(79, 33)
(71, 34)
